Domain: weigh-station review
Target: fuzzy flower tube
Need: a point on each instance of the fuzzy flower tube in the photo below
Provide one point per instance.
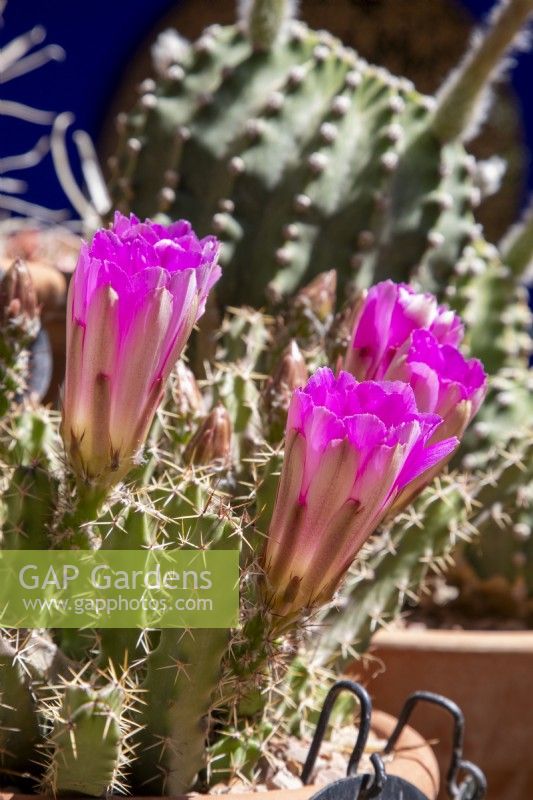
(351, 449)
(137, 292)
(401, 334)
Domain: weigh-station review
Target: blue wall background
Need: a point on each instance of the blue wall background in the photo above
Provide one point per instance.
(99, 38)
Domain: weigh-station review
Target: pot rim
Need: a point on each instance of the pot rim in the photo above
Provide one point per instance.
(455, 640)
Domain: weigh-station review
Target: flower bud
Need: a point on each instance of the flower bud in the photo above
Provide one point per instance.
(402, 335)
(444, 383)
(211, 444)
(319, 296)
(290, 373)
(186, 395)
(18, 300)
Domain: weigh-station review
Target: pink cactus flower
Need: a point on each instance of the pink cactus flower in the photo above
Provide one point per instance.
(137, 291)
(351, 449)
(386, 317)
(401, 335)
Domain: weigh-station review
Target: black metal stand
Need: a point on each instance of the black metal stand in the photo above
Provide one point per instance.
(381, 786)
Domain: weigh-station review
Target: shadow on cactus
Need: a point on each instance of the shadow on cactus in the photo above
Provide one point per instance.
(326, 442)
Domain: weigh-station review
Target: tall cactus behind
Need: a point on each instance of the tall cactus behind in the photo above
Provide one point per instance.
(302, 157)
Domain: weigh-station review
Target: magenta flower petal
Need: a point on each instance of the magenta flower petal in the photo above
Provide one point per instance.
(352, 448)
(389, 314)
(137, 292)
(444, 382)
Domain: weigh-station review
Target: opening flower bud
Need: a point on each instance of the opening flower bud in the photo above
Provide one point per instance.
(136, 293)
(444, 383)
(402, 335)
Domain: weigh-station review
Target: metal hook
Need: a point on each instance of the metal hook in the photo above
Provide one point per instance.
(374, 787)
(457, 741)
(474, 787)
(364, 727)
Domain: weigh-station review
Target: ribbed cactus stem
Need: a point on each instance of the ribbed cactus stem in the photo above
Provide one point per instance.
(259, 652)
(19, 724)
(86, 742)
(460, 100)
(517, 246)
(30, 502)
(248, 665)
(265, 20)
(183, 672)
(85, 506)
(122, 647)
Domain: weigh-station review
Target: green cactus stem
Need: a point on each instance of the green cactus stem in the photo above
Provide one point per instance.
(303, 157)
(182, 677)
(28, 662)
(266, 20)
(30, 501)
(86, 741)
(494, 571)
(183, 674)
(494, 307)
(460, 101)
(19, 724)
(517, 246)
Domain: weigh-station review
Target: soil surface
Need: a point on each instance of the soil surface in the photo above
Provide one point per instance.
(283, 763)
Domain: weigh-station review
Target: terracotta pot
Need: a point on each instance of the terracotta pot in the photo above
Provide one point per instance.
(413, 759)
(488, 674)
